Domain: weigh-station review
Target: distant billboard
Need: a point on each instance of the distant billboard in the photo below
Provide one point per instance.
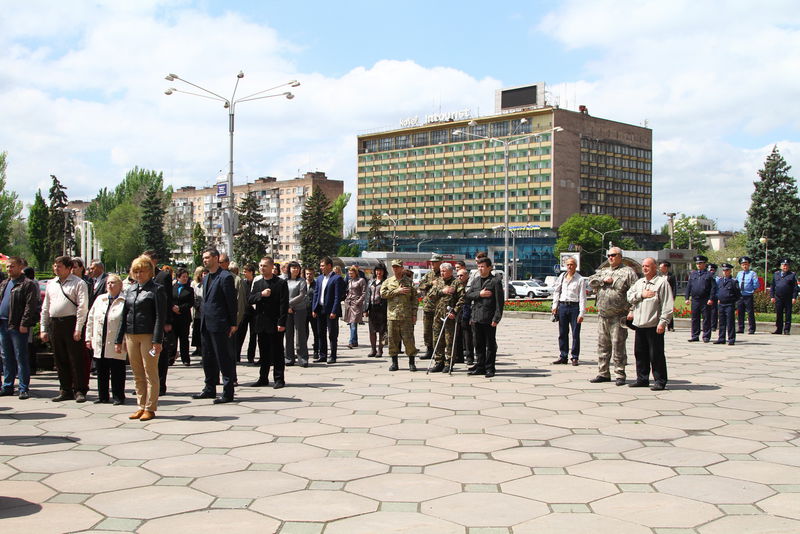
(520, 97)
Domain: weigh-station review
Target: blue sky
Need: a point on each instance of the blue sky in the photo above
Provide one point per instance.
(82, 84)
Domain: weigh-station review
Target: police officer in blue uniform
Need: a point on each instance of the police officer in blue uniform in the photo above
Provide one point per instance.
(748, 284)
(701, 290)
(727, 295)
(712, 268)
(783, 293)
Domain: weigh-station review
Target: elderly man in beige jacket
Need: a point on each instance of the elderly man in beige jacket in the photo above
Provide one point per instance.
(652, 304)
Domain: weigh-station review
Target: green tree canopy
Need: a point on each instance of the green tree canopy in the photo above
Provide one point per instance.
(60, 224)
(250, 242)
(774, 214)
(320, 229)
(337, 210)
(38, 216)
(153, 211)
(376, 237)
(198, 244)
(10, 206)
(687, 233)
(133, 188)
(121, 235)
(583, 232)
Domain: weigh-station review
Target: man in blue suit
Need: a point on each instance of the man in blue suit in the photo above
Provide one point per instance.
(327, 308)
(217, 325)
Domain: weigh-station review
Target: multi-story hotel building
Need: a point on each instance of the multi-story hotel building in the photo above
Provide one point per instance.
(437, 178)
(281, 203)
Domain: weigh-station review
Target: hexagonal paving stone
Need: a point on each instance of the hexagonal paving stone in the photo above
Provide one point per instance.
(80, 424)
(209, 521)
(472, 422)
(371, 404)
(417, 412)
(721, 444)
(777, 421)
(393, 523)
(484, 509)
(150, 450)
(673, 456)
(101, 478)
(780, 455)
(685, 422)
(595, 443)
(784, 504)
(578, 524)
(51, 518)
(315, 412)
(620, 412)
(32, 492)
(413, 431)
(403, 487)
(528, 431)
(16, 445)
(764, 472)
(714, 489)
(473, 442)
(464, 404)
(751, 524)
(119, 435)
(642, 431)
(229, 438)
(249, 484)
(266, 453)
(541, 456)
(59, 462)
(332, 468)
(196, 465)
(559, 488)
(408, 455)
(576, 421)
(621, 471)
(477, 471)
(349, 441)
(360, 421)
(186, 427)
(298, 429)
(146, 503)
(521, 413)
(755, 432)
(657, 510)
(314, 505)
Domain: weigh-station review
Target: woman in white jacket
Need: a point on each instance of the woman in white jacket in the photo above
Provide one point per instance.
(102, 326)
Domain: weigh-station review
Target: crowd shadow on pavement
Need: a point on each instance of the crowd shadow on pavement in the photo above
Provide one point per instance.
(36, 415)
(33, 441)
(16, 507)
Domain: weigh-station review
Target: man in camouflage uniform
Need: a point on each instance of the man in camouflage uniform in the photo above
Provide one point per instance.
(428, 307)
(612, 284)
(447, 291)
(401, 314)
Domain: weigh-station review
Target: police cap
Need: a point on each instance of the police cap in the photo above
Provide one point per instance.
(700, 258)
(712, 266)
(785, 261)
(744, 259)
(726, 266)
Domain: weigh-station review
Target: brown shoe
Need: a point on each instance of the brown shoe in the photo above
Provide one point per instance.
(137, 415)
(147, 415)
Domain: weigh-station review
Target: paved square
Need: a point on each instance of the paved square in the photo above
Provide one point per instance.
(352, 448)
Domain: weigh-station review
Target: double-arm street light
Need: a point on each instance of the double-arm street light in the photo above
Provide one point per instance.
(394, 231)
(603, 236)
(229, 225)
(506, 143)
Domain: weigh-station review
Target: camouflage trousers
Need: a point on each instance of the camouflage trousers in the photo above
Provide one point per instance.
(611, 336)
(445, 347)
(428, 328)
(401, 330)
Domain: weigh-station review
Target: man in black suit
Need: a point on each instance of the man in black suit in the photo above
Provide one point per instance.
(326, 308)
(217, 324)
(98, 273)
(270, 295)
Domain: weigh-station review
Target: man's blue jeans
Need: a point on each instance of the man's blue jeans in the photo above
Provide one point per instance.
(14, 346)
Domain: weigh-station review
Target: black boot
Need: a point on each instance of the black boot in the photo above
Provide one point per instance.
(428, 354)
(394, 366)
(411, 366)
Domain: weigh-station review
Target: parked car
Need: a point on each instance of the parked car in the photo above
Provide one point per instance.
(530, 289)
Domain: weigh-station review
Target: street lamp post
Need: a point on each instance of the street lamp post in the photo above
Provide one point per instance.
(603, 235)
(506, 143)
(671, 217)
(228, 224)
(765, 241)
(394, 231)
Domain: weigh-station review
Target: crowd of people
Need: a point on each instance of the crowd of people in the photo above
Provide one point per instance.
(96, 321)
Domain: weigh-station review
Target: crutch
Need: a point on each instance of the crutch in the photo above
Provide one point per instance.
(453, 348)
(441, 332)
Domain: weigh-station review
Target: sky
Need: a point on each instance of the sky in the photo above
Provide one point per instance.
(82, 85)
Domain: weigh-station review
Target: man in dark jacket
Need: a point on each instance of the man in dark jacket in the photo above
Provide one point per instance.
(486, 296)
(728, 294)
(326, 308)
(218, 323)
(783, 293)
(270, 295)
(702, 291)
(98, 274)
(19, 312)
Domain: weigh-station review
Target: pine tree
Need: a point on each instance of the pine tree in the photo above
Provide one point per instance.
(10, 206)
(60, 224)
(319, 230)
(376, 238)
(250, 242)
(37, 230)
(198, 244)
(153, 223)
(774, 214)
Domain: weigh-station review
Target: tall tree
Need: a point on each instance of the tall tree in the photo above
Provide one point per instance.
(133, 188)
(376, 237)
(250, 242)
(320, 229)
(583, 233)
(198, 244)
(38, 217)
(337, 210)
(10, 206)
(687, 233)
(774, 213)
(122, 234)
(60, 223)
(153, 223)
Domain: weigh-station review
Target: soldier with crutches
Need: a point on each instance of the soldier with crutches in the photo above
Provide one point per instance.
(447, 294)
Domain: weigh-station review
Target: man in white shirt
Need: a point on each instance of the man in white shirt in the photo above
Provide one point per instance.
(569, 305)
(64, 312)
